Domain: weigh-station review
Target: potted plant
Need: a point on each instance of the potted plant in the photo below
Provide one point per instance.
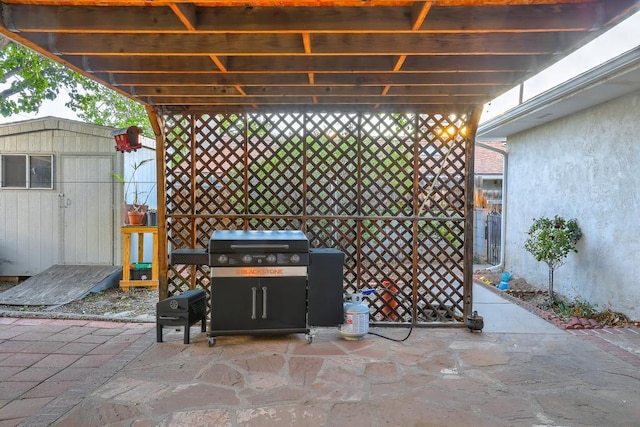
(136, 205)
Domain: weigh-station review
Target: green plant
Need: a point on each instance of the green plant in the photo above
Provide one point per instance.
(551, 240)
(577, 308)
(139, 197)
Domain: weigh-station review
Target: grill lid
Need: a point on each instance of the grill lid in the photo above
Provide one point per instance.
(258, 241)
(191, 301)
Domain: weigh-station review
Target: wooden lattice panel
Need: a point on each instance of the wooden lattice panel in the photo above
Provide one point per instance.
(386, 189)
(181, 231)
(220, 164)
(440, 269)
(267, 223)
(386, 255)
(275, 165)
(179, 166)
(441, 166)
(332, 159)
(387, 165)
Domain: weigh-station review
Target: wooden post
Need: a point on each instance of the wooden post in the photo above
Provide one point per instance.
(467, 284)
(162, 248)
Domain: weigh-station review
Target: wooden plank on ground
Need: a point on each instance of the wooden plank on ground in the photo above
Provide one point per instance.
(61, 284)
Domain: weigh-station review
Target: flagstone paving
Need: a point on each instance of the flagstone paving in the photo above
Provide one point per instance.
(517, 372)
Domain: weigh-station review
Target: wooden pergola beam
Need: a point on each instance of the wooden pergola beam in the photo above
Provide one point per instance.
(324, 91)
(298, 79)
(283, 100)
(198, 44)
(181, 17)
(302, 64)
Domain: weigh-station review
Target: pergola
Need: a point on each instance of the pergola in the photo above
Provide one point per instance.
(353, 120)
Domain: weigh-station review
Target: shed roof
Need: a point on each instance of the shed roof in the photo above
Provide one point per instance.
(431, 56)
(42, 124)
(48, 123)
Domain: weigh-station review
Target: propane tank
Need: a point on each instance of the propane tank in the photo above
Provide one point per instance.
(356, 317)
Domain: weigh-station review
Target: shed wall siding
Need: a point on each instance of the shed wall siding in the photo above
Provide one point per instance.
(586, 168)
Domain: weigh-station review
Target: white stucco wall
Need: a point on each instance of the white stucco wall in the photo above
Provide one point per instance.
(585, 166)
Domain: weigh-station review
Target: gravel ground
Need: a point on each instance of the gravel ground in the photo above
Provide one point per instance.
(137, 303)
(140, 303)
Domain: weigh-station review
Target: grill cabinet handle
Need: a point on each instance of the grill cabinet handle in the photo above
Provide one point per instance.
(254, 290)
(264, 302)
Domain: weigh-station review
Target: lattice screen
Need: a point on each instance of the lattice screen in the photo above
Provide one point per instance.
(386, 189)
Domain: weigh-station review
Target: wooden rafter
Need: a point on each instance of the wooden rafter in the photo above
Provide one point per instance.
(419, 12)
(279, 52)
(186, 13)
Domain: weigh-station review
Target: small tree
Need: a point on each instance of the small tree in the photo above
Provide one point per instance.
(551, 240)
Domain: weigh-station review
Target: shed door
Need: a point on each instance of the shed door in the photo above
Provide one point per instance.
(86, 202)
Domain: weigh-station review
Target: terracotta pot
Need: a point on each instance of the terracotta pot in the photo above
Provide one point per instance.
(126, 208)
(136, 218)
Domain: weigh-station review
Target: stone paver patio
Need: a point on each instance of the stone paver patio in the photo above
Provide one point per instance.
(88, 373)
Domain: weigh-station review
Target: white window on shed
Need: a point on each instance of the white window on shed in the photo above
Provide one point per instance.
(26, 171)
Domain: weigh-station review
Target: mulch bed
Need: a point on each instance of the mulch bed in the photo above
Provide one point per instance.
(520, 297)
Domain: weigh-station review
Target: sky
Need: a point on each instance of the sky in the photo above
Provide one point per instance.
(620, 39)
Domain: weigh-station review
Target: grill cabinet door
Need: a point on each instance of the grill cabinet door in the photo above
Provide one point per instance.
(258, 303)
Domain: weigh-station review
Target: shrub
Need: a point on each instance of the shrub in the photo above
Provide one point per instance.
(551, 240)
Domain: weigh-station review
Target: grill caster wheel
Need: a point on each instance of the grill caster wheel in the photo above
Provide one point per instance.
(211, 341)
(308, 338)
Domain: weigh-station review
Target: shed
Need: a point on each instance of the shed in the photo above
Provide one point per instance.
(59, 202)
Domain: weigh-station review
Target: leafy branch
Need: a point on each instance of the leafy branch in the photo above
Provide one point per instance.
(27, 79)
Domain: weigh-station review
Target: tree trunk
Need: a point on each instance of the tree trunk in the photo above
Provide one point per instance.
(4, 41)
(551, 295)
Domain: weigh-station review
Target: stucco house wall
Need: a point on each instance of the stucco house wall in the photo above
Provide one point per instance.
(587, 166)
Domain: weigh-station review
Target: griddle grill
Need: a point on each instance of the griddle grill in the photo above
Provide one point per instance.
(258, 282)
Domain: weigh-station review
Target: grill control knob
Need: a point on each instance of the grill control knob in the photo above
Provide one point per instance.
(247, 259)
(295, 258)
(223, 259)
(271, 259)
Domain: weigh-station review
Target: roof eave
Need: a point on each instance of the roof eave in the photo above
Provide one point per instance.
(617, 77)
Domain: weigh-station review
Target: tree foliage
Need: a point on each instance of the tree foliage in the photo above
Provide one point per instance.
(551, 240)
(27, 79)
(100, 105)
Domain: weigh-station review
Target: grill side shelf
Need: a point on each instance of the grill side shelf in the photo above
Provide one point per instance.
(189, 257)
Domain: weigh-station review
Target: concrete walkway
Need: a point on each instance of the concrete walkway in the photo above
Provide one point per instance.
(502, 316)
(520, 371)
